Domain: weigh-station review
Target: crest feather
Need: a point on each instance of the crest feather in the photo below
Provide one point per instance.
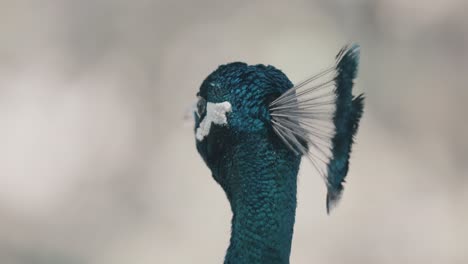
(319, 117)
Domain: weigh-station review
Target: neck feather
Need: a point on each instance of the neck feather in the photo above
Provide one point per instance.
(260, 183)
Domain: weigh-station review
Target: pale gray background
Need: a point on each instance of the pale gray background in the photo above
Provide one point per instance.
(97, 166)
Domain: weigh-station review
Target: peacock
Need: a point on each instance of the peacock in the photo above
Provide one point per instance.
(253, 126)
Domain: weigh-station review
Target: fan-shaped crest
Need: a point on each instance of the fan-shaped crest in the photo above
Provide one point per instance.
(319, 117)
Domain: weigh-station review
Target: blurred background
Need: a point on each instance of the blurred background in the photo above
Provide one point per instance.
(97, 165)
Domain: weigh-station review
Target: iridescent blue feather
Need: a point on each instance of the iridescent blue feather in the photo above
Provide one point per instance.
(346, 121)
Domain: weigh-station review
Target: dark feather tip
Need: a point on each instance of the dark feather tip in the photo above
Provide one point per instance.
(346, 121)
(333, 197)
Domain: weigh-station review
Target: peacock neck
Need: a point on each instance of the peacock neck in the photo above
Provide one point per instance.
(260, 183)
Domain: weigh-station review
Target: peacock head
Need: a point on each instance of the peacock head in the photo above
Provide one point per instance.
(317, 118)
(233, 102)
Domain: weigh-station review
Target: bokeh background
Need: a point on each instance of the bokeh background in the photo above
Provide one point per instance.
(97, 164)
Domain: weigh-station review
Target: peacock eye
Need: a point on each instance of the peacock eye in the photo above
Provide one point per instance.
(201, 106)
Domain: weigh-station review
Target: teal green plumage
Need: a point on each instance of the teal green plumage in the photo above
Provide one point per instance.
(255, 156)
(256, 170)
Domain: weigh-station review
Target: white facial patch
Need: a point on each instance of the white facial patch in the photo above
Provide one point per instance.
(216, 114)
